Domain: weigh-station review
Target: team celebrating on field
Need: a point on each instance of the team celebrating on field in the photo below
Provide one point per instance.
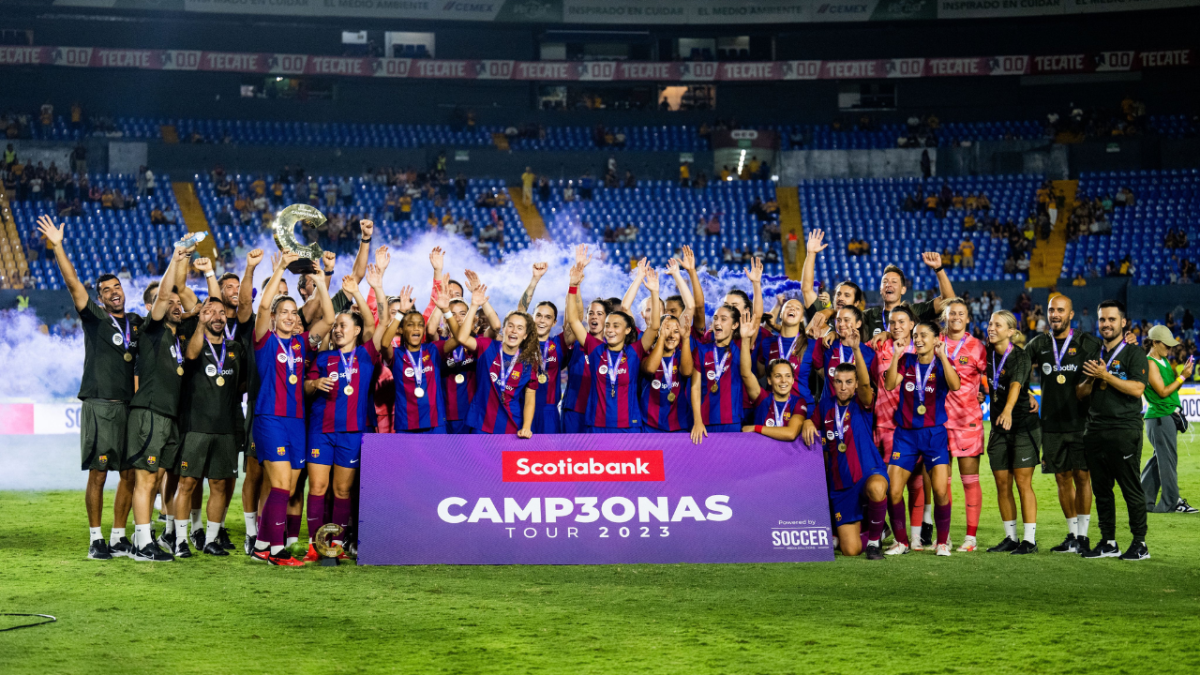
(892, 395)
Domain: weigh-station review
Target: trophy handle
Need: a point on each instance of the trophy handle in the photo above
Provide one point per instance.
(283, 230)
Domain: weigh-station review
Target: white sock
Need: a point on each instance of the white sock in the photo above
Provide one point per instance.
(914, 533)
(195, 519)
(1084, 519)
(261, 545)
(181, 531)
(870, 542)
(251, 523)
(211, 532)
(970, 538)
(158, 501)
(1010, 529)
(1031, 532)
(275, 549)
(928, 517)
(170, 523)
(118, 533)
(95, 533)
(141, 535)
(292, 540)
(1073, 526)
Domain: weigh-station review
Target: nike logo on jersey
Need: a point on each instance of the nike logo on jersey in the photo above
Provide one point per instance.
(1128, 456)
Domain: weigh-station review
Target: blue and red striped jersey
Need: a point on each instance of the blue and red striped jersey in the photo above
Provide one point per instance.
(725, 405)
(658, 410)
(553, 356)
(579, 380)
(764, 334)
(336, 411)
(771, 413)
(413, 370)
(613, 401)
(278, 396)
(801, 358)
(906, 416)
(827, 359)
(499, 403)
(457, 362)
(844, 469)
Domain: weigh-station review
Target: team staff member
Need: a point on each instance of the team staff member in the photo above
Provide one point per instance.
(923, 379)
(1112, 441)
(1060, 354)
(110, 336)
(964, 417)
(210, 412)
(1013, 444)
(280, 357)
(855, 472)
(152, 437)
(1163, 397)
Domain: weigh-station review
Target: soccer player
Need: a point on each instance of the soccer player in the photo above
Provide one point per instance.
(1060, 354)
(902, 321)
(338, 382)
(923, 379)
(964, 416)
(458, 370)
(579, 375)
(110, 337)
(1163, 397)
(848, 325)
(845, 294)
(779, 412)
(416, 371)
(279, 431)
(505, 367)
(614, 361)
(1015, 438)
(792, 346)
(210, 408)
(666, 377)
(1112, 441)
(152, 438)
(855, 472)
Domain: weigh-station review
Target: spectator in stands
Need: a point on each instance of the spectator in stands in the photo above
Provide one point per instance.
(685, 174)
(771, 256)
(543, 189)
(224, 217)
(346, 191)
(726, 255)
(1079, 280)
(712, 228)
(966, 249)
(331, 193)
(527, 179)
(1010, 265)
(969, 222)
(931, 203)
(947, 258)
(157, 217)
(260, 204)
(569, 192)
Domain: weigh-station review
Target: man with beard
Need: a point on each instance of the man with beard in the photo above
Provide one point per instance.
(210, 407)
(110, 344)
(1060, 355)
(1112, 440)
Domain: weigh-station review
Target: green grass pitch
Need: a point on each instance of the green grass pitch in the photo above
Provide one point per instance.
(971, 613)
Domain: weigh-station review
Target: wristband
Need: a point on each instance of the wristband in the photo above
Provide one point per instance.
(1180, 379)
(209, 274)
(573, 290)
(364, 240)
(939, 269)
(758, 428)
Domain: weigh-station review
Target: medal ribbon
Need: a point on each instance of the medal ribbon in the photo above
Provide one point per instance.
(722, 365)
(791, 348)
(287, 351)
(221, 360)
(1058, 354)
(668, 365)
(957, 349)
(418, 371)
(230, 331)
(921, 380)
(178, 352)
(842, 353)
(995, 370)
(458, 355)
(839, 421)
(1114, 354)
(505, 373)
(778, 414)
(126, 332)
(347, 366)
(612, 368)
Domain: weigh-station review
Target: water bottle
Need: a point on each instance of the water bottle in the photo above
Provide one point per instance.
(192, 239)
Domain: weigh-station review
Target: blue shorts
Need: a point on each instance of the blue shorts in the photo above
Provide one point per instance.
(340, 448)
(546, 420)
(280, 439)
(458, 427)
(723, 428)
(572, 423)
(930, 444)
(847, 504)
(635, 429)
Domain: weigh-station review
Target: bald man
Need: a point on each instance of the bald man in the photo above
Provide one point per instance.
(1058, 357)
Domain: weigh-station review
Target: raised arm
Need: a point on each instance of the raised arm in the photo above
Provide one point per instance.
(436, 316)
(350, 288)
(204, 266)
(464, 337)
(474, 284)
(187, 298)
(653, 360)
(651, 333)
(262, 321)
(1163, 389)
(167, 286)
(686, 364)
(865, 393)
(689, 302)
(246, 289)
(54, 236)
(891, 379)
(364, 250)
(754, 274)
(746, 365)
(688, 262)
(573, 318)
(816, 244)
(639, 274)
(195, 344)
(539, 270)
(933, 260)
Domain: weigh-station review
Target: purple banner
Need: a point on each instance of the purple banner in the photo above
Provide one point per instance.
(591, 499)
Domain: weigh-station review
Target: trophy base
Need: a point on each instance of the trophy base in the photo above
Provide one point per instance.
(329, 562)
(303, 266)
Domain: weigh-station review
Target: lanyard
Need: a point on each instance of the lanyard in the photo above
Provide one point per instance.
(612, 369)
(957, 349)
(545, 352)
(995, 370)
(721, 366)
(418, 370)
(842, 353)
(921, 379)
(1114, 355)
(124, 333)
(220, 360)
(778, 414)
(505, 373)
(668, 367)
(839, 421)
(791, 348)
(458, 356)
(347, 366)
(1058, 354)
(287, 351)
(178, 354)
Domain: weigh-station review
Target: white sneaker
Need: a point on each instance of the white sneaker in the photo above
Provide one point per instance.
(836, 542)
(943, 549)
(969, 544)
(896, 549)
(916, 545)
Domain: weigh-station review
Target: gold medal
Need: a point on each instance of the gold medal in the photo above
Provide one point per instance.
(348, 390)
(220, 382)
(541, 378)
(1061, 379)
(841, 447)
(419, 392)
(460, 378)
(292, 379)
(714, 387)
(128, 357)
(671, 397)
(179, 371)
(920, 410)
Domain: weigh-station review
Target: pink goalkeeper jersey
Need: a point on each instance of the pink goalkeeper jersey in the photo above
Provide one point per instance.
(969, 357)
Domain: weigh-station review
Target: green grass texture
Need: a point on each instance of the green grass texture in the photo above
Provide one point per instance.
(970, 613)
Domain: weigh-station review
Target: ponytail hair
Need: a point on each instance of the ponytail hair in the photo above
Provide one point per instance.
(358, 321)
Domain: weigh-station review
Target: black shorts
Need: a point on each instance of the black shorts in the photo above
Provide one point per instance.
(1063, 452)
(102, 434)
(1009, 450)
